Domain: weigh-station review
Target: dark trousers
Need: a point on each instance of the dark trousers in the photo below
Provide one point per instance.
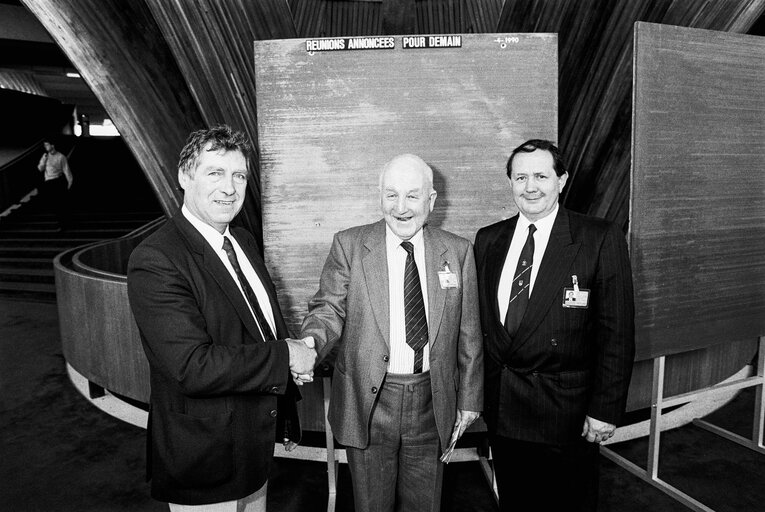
(399, 470)
(54, 192)
(537, 476)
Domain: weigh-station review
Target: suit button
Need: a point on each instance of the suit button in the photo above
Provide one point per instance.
(554, 342)
(386, 358)
(374, 390)
(273, 413)
(275, 389)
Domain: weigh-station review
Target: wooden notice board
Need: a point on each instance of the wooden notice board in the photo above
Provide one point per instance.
(332, 112)
(697, 209)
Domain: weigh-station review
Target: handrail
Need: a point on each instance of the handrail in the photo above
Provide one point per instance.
(128, 241)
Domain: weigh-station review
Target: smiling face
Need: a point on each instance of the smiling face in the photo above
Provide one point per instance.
(535, 185)
(406, 195)
(215, 191)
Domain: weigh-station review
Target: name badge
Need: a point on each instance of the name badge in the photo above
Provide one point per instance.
(447, 278)
(576, 297)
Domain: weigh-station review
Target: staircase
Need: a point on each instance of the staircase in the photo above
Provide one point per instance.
(105, 202)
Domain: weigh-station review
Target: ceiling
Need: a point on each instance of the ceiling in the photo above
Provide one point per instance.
(26, 47)
(28, 52)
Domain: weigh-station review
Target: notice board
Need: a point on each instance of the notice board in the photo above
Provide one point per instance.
(332, 112)
(697, 207)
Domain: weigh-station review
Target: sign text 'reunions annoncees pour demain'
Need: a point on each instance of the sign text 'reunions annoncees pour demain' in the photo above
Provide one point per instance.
(381, 43)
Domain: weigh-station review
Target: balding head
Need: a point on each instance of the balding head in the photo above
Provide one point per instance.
(406, 194)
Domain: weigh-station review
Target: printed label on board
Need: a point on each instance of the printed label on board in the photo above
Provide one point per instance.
(411, 42)
(349, 43)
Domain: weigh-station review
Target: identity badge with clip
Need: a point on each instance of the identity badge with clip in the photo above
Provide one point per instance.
(575, 297)
(447, 278)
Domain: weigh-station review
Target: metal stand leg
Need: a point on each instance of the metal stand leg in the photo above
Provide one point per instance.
(331, 459)
(658, 403)
(755, 443)
(488, 472)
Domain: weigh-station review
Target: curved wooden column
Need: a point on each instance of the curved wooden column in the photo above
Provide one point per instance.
(212, 42)
(119, 50)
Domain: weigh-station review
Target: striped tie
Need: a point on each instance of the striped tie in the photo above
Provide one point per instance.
(414, 308)
(519, 294)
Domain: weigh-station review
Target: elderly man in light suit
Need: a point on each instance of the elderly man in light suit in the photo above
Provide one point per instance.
(398, 299)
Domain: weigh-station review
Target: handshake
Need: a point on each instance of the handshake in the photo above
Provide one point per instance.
(302, 359)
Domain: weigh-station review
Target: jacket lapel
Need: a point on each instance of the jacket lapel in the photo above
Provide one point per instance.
(214, 266)
(559, 256)
(375, 264)
(435, 255)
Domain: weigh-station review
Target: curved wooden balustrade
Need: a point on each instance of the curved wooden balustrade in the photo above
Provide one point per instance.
(98, 334)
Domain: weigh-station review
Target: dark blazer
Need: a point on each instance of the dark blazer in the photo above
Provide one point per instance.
(563, 363)
(214, 383)
(351, 312)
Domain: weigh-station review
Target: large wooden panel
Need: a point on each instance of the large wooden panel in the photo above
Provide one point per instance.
(697, 234)
(329, 121)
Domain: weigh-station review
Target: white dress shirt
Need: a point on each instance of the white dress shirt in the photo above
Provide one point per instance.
(541, 237)
(401, 354)
(215, 240)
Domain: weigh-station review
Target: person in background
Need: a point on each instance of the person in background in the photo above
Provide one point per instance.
(58, 180)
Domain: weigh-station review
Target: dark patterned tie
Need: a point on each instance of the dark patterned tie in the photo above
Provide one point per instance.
(414, 308)
(252, 299)
(519, 294)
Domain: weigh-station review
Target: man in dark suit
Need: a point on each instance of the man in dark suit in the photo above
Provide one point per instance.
(398, 299)
(557, 314)
(219, 356)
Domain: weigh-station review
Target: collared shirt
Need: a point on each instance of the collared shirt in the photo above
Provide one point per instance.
(54, 165)
(215, 240)
(401, 354)
(541, 237)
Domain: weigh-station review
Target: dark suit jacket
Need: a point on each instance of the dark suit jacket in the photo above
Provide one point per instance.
(214, 382)
(351, 312)
(563, 363)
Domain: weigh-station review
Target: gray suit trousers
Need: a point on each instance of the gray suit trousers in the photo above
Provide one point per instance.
(399, 470)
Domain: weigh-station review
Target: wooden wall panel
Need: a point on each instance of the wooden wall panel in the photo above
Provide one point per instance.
(328, 122)
(121, 54)
(212, 43)
(308, 16)
(697, 227)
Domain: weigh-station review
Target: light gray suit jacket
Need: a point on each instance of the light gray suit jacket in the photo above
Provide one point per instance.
(351, 312)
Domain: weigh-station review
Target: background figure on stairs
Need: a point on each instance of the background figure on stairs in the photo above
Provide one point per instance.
(55, 169)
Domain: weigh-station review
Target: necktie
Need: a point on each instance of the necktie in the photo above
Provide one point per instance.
(414, 308)
(519, 293)
(252, 299)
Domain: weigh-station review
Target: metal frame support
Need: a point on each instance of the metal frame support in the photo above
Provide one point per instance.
(332, 463)
(659, 403)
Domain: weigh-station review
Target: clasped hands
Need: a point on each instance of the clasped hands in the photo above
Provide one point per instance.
(302, 359)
